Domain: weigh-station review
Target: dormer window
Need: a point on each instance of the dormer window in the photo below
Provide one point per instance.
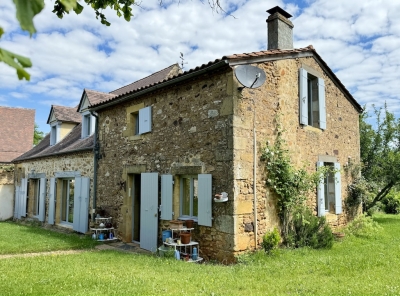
(54, 134)
(87, 124)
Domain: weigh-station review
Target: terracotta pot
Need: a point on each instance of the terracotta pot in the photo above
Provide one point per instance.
(185, 238)
(189, 223)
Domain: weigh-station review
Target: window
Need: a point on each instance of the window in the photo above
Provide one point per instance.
(54, 134)
(36, 189)
(87, 125)
(138, 120)
(67, 200)
(36, 195)
(312, 99)
(189, 202)
(329, 190)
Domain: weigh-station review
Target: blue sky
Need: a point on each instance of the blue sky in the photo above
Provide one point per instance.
(359, 40)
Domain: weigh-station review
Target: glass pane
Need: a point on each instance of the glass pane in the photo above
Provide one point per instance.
(71, 201)
(64, 198)
(186, 196)
(195, 198)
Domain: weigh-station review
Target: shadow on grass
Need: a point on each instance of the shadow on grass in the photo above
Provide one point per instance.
(392, 219)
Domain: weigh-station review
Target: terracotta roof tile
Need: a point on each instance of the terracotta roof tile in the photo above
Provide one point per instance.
(16, 132)
(96, 97)
(65, 114)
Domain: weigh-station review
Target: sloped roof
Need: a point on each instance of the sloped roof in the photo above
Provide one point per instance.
(71, 143)
(231, 60)
(16, 132)
(65, 114)
(149, 80)
(94, 97)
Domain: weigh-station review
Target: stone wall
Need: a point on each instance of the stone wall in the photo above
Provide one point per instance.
(280, 96)
(81, 162)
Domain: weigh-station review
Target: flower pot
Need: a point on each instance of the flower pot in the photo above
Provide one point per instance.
(189, 223)
(185, 238)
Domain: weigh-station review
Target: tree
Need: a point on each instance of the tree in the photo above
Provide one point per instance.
(380, 153)
(37, 135)
(28, 9)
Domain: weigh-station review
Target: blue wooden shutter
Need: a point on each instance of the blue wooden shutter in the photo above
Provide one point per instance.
(321, 192)
(166, 197)
(42, 198)
(77, 201)
(84, 205)
(83, 127)
(52, 201)
(24, 193)
(303, 92)
(322, 103)
(16, 201)
(149, 211)
(205, 199)
(338, 189)
(145, 120)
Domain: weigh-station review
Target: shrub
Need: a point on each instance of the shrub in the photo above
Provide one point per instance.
(271, 240)
(391, 203)
(307, 230)
(362, 226)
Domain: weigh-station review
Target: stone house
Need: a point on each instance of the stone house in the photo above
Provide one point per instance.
(166, 148)
(16, 137)
(55, 182)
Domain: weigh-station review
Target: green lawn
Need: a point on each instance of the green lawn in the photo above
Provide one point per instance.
(18, 238)
(355, 266)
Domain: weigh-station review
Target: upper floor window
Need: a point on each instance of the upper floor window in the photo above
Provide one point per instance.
(87, 124)
(312, 99)
(54, 134)
(138, 120)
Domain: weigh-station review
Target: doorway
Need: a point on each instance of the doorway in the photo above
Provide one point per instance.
(134, 188)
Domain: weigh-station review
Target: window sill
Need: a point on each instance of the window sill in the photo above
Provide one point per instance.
(136, 137)
(312, 129)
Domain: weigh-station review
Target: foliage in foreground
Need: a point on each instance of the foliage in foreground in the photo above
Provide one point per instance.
(271, 240)
(363, 226)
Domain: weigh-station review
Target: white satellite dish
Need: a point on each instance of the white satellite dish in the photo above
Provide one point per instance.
(250, 76)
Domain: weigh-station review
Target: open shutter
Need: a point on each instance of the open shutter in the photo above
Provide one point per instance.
(77, 201)
(303, 92)
(338, 189)
(92, 124)
(166, 197)
(145, 120)
(205, 199)
(16, 201)
(52, 201)
(322, 103)
(23, 195)
(149, 211)
(321, 193)
(42, 198)
(84, 205)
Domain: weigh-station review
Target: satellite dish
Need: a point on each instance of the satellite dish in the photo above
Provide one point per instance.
(250, 76)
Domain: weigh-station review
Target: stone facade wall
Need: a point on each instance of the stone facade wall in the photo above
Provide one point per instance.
(81, 162)
(280, 96)
(192, 131)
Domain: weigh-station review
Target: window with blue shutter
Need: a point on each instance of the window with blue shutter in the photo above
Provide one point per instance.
(321, 192)
(52, 201)
(145, 120)
(312, 102)
(81, 204)
(42, 199)
(329, 193)
(338, 189)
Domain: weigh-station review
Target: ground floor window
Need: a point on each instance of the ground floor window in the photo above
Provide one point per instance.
(329, 194)
(189, 196)
(329, 189)
(67, 200)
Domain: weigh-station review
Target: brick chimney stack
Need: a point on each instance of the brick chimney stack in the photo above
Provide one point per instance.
(280, 34)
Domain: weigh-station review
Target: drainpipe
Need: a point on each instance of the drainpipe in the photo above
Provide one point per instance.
(255, 175)
(96, 150)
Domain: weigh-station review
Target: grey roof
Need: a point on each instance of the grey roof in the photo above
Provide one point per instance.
(71, 143)
(95, 97)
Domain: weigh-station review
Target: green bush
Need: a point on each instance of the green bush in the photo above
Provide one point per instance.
(391, 203)
(362, 226)
(307, 230)
(271, 240)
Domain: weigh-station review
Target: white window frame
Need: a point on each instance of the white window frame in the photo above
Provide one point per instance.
(192, 192)
(308, 78)
(67, 204)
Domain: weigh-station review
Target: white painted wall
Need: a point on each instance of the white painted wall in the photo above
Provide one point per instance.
(6, 202)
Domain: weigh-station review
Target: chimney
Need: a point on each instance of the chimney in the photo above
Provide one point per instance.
(280, 34)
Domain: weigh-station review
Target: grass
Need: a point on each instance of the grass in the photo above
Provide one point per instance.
(354, 266)
(19, 238)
